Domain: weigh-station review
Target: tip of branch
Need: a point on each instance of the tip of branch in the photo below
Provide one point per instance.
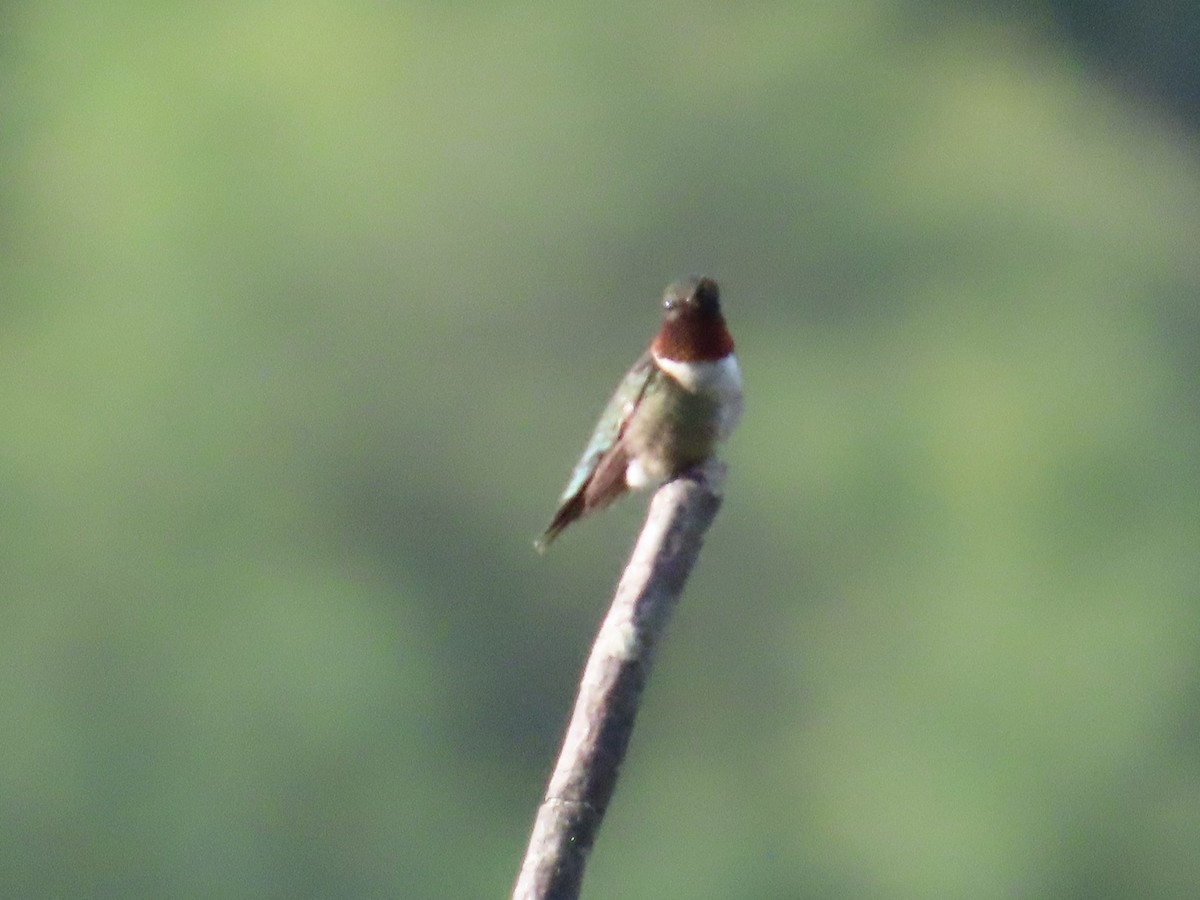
(709, 474)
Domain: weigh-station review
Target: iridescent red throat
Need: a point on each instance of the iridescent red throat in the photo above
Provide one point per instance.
(693, 338)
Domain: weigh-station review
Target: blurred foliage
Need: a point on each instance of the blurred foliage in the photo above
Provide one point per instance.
(1148, 47)
(308, 309)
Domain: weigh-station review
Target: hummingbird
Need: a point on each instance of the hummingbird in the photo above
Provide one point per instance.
(681, 398)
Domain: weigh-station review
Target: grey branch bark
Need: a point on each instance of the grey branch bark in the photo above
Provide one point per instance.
(611, 688)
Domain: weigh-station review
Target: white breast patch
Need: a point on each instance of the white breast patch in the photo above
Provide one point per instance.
(720, 379)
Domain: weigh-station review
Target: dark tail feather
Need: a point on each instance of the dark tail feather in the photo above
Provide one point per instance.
(604, 486)
(567, 513)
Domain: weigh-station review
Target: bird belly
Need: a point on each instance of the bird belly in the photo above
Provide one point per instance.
(720, 379)
(671, 429)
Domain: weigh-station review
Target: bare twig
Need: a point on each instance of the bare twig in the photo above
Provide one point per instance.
(611, 689)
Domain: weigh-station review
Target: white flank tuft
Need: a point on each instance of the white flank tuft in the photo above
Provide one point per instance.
(638, 478)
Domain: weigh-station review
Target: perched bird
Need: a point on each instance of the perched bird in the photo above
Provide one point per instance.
(682, 397)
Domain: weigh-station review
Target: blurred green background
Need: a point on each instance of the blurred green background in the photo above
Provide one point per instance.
(308, 309)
